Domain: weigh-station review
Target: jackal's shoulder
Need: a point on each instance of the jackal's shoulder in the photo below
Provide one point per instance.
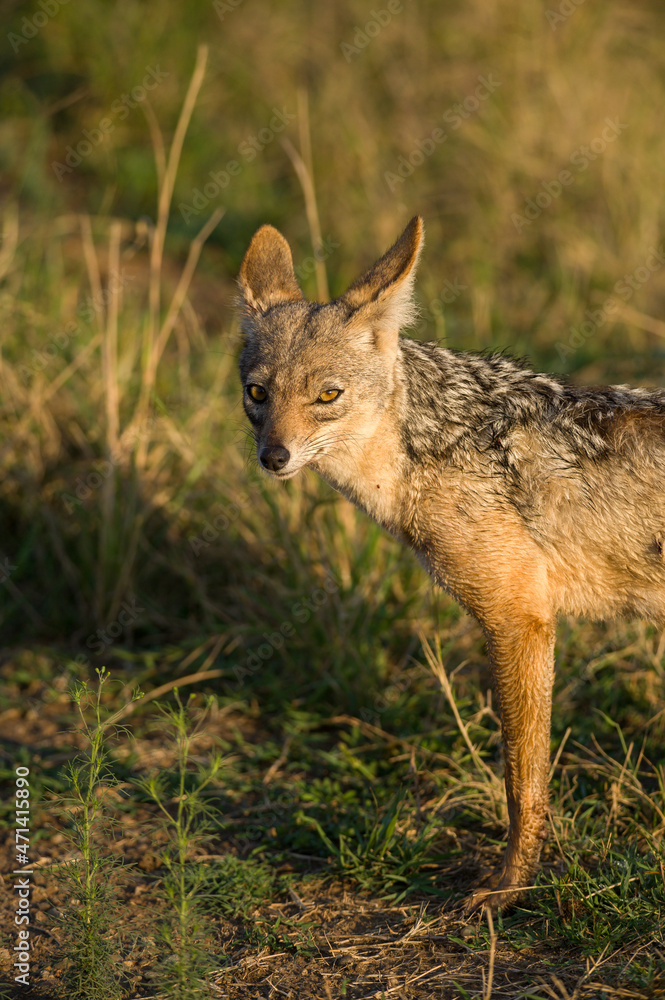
(480, 400)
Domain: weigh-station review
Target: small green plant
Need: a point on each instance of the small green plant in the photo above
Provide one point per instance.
(237, 888)
(381, 858)
(92, 879)
(609, 903)
(187, 819)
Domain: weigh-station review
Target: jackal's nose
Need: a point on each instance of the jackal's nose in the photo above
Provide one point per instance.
(274, 457)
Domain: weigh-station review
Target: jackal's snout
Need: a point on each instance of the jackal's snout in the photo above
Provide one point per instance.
(274, 457)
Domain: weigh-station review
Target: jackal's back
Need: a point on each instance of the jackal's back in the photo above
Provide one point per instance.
(582, 468)
(458, 400)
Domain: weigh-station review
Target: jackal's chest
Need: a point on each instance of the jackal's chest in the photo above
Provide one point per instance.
(470, 541)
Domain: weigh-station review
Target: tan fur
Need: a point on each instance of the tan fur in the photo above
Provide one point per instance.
(524, 498)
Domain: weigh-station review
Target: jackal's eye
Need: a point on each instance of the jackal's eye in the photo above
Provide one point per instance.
(328, 395)
(257, 392)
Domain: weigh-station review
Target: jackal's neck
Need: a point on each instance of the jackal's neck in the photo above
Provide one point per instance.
(415, 428)
(371, 471)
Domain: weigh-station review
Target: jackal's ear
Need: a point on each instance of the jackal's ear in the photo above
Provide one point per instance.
(266, 276)
(383, 298)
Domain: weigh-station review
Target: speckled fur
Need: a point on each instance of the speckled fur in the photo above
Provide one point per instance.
(524, 497)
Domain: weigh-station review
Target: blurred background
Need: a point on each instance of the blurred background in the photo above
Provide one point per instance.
(135, 166)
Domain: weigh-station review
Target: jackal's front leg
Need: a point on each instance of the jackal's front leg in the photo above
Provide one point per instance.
(523, 670)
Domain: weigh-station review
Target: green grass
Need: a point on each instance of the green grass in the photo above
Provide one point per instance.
(185, 817)
(396, 814)
(90, 877)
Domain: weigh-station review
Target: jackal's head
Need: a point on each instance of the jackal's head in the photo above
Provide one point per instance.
(317, 378)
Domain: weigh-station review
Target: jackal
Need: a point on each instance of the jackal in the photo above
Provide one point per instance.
(524, 497)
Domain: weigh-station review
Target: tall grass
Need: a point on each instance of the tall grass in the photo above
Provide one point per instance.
(118, 363)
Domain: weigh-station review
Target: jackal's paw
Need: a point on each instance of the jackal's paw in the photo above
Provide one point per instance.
(498, 893)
